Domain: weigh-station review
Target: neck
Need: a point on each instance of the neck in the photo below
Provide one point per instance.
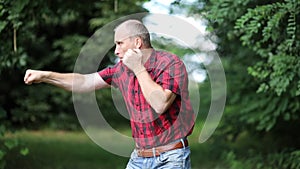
(146, 54)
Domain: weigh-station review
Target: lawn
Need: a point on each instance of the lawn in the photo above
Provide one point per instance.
(62, 150)
(75, 150)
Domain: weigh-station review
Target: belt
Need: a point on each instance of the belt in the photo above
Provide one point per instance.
(156, 151)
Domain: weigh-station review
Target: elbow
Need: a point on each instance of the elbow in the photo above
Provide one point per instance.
(160, 102)
(160, 109)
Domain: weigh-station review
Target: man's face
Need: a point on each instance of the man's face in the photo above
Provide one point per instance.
(123, 43)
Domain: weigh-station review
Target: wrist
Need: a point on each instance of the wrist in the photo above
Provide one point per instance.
(46, 74)
(139, 71)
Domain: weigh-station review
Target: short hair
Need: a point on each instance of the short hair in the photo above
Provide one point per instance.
(136, 28)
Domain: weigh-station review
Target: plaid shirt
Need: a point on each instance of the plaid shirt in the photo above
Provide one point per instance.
(148, 128)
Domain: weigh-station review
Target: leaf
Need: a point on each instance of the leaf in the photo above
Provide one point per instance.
(10, 144)
(2, 154)
(2, 25)
(19, 5)
(298, 89)
(24, 151)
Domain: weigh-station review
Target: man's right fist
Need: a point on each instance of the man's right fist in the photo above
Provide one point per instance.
(33, 76)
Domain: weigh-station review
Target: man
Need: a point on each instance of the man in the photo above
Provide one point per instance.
(154, 85)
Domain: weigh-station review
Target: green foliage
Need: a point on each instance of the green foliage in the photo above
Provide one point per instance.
(260, 39)
(271, 31)
(284, 159)
(120, 9)
(259, 44)
(45, 35)
(8, 145)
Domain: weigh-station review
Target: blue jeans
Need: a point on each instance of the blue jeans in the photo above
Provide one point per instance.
(174, 159)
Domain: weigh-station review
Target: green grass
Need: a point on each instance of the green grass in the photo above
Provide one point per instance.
(62, 150)
(75, 150)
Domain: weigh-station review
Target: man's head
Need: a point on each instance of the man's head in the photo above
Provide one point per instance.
(131, 34)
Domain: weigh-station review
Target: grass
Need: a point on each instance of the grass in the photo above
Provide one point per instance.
(75, 150)
(61, 150)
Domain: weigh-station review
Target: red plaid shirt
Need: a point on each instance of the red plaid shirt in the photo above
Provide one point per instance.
(148, 128)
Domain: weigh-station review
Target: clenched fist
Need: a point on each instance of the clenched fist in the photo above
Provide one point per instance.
(33, 76)
(133, 60)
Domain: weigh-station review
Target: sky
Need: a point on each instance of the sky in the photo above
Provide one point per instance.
(156, 6)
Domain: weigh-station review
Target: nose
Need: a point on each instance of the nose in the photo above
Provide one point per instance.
(117, 50)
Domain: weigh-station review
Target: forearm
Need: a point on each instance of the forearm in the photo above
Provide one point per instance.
(68, 81)
(159, 98)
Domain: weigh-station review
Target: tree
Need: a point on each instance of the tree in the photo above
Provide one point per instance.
(48, 35)
(259, 43)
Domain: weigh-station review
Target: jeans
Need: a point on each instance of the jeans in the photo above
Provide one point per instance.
(174, 159)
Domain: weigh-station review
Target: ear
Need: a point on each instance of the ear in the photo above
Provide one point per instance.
(138, 43)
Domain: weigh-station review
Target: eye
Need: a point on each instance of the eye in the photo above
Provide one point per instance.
(119, 43)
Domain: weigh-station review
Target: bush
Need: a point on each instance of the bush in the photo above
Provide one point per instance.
(284, 160)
